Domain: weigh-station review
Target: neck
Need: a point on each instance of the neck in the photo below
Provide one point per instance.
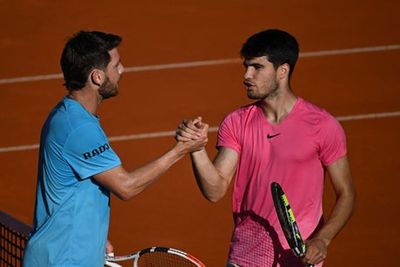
(277, 107)
(87, 97)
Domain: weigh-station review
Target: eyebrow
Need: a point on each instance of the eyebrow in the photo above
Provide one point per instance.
(252, 64)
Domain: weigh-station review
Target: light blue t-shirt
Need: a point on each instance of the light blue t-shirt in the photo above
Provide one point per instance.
(72, 210)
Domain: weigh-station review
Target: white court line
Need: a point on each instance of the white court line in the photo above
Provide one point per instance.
(208, 63)
(368, 116)
(211, 129)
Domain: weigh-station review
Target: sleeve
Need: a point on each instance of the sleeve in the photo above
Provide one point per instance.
(228, 134)
(88, 151)
(332, 141)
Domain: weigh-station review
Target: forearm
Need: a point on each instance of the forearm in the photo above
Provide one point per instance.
(339, 216)
(213, 178)
(342, 183)
(142, 177)
(126, 184)
(317, 247)
(211, 183)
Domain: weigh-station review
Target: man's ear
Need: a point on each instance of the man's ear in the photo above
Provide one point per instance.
(283, 71)
(97, 77)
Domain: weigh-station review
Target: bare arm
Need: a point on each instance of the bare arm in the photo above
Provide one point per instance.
(214, 177)
(126, 184)
(342, 183)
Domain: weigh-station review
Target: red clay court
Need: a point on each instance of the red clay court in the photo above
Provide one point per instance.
(182, 60)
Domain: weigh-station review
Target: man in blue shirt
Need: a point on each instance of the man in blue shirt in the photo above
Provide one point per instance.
(77, 166)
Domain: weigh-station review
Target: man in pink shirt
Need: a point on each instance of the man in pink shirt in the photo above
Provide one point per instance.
(279, 138)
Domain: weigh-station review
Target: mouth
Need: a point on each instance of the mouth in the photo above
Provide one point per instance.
(248, 84)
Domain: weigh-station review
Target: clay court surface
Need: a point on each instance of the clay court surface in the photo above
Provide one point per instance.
(357, 73)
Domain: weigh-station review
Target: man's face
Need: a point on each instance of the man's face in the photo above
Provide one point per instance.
(113, 72)
(260, 78)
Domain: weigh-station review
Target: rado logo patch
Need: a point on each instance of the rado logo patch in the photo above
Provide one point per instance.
(96, 151)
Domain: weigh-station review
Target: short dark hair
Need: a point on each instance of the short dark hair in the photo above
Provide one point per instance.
(84, 52)
(278, 46)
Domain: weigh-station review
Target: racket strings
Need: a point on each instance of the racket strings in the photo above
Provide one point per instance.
(157, 259)
(256, 244)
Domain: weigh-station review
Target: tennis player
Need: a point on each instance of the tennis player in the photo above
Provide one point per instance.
(78, 167)
(279, 138)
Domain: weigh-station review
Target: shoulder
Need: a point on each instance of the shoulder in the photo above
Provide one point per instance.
(69, 119)
(324, 124)
(313, 114)
(243, 112)
(72, 114)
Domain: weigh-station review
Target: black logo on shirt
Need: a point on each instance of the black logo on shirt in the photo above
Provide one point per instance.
(269, 136)
(96, 151)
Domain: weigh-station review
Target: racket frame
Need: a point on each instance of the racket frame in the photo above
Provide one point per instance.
(287, 220)
(111, 260)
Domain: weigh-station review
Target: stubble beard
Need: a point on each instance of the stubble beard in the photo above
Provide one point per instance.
(107, 89)
(272, 92)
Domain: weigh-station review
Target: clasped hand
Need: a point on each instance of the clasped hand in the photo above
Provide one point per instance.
(192, 133)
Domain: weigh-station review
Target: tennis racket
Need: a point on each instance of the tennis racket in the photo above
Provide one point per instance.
(288, 221)
(155, 257)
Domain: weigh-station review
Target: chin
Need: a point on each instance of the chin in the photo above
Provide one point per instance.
(109, 95)
(252, 96)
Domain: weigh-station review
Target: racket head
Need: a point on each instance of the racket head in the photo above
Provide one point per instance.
(287, 220)
(159, 256)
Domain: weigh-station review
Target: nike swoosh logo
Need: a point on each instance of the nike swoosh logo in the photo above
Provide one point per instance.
(269, 136)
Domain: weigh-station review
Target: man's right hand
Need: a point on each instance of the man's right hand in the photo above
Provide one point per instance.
(192, 134)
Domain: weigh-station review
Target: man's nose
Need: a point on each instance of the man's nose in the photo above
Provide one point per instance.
(248, 73)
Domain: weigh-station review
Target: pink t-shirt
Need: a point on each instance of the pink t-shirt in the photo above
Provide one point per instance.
(293, 153)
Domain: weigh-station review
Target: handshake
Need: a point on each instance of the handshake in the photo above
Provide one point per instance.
(192, 135)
